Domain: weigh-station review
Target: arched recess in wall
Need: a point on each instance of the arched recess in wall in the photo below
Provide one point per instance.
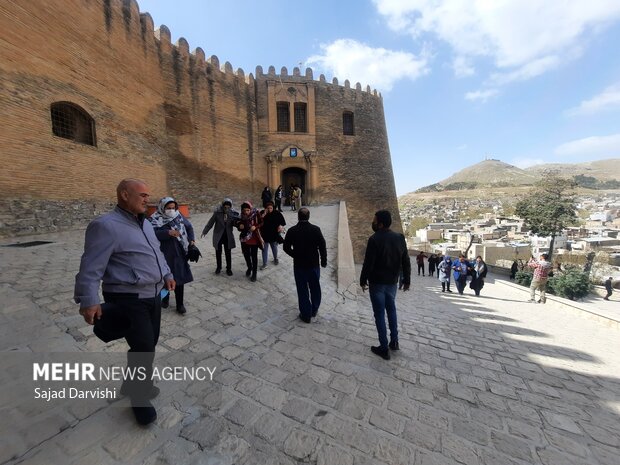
(295, 176)
(70, 121)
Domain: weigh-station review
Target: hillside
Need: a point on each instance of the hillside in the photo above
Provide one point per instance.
(492, 172)
(603, 170)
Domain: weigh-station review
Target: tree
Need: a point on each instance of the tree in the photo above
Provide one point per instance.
(549, 207)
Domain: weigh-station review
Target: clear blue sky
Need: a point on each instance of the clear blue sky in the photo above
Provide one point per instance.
(523, 81)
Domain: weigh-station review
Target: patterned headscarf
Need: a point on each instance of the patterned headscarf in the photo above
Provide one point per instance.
(159, 219)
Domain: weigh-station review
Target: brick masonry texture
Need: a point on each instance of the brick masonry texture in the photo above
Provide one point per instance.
(188, 126)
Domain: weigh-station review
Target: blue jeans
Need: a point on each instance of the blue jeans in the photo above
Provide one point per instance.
(383, 299)
(308, 290)
(274, 251)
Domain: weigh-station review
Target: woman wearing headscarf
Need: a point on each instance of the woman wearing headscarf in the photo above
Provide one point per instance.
(479, 273)
(223, 218)
(443, 273)
(249, 225)
(175, 234)
(460, 267)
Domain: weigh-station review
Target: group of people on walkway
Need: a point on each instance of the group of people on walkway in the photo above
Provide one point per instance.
(461, 270)
(433, 261)
(139, 261)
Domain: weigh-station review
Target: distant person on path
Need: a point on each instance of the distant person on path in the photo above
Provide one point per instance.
(298, 194)
(176, 234)
(292, 196)
(460, 267)
(266, 196)
(444, 270)
(513, 270)
(540, 278)
(224, 218)
(386, 255)
(608, 288)
(432, 264)
(278, 198)
(479, 273)
(420, 261)
(306, 244)
(273, 224)
(122, 251)
(251, 240)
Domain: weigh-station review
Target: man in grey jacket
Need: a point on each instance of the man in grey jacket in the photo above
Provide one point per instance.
(122, 251)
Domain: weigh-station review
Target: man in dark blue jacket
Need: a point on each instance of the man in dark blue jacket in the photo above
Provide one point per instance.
(305, 242)
(386, 255)
(122, 252)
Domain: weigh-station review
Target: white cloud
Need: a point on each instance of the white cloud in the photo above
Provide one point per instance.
(462, 67)
(524, 38)
(608, 99)
(591, 147)
(527, 71)
(527, 162)
(377, 67)
(482, 95)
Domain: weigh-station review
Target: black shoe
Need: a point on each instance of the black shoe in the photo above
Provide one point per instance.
(181, 309)
(314, 313)
(248, 272)
(305, 320)
(276, 262)
(229, 272)
(145, 415)
(394, 345)
(151, 394)
(449, 291)
(383, 353)
(253, 278)
(218, 270)
(165, 302)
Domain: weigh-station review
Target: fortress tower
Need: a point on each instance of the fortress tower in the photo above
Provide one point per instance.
(91, 95)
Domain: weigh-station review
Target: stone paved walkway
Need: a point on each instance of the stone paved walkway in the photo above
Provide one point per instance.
(489, 380)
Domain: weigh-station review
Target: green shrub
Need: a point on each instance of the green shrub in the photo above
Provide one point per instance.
(572, 283)
(524, 278)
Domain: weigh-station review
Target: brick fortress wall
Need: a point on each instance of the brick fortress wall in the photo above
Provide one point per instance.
(187, 126)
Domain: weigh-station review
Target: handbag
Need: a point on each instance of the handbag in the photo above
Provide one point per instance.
(193, 253)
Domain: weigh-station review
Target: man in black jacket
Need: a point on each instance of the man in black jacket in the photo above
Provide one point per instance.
(304, 242)
(386, 255)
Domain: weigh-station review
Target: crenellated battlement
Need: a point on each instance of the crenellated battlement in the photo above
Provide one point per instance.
(127, 14)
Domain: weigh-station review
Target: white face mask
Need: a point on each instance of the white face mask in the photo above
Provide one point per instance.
(171, 213)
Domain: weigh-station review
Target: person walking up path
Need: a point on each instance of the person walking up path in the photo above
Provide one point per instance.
(306, 244)
(386, 255)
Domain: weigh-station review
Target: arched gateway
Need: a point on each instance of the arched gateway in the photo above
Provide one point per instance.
(293, 165)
